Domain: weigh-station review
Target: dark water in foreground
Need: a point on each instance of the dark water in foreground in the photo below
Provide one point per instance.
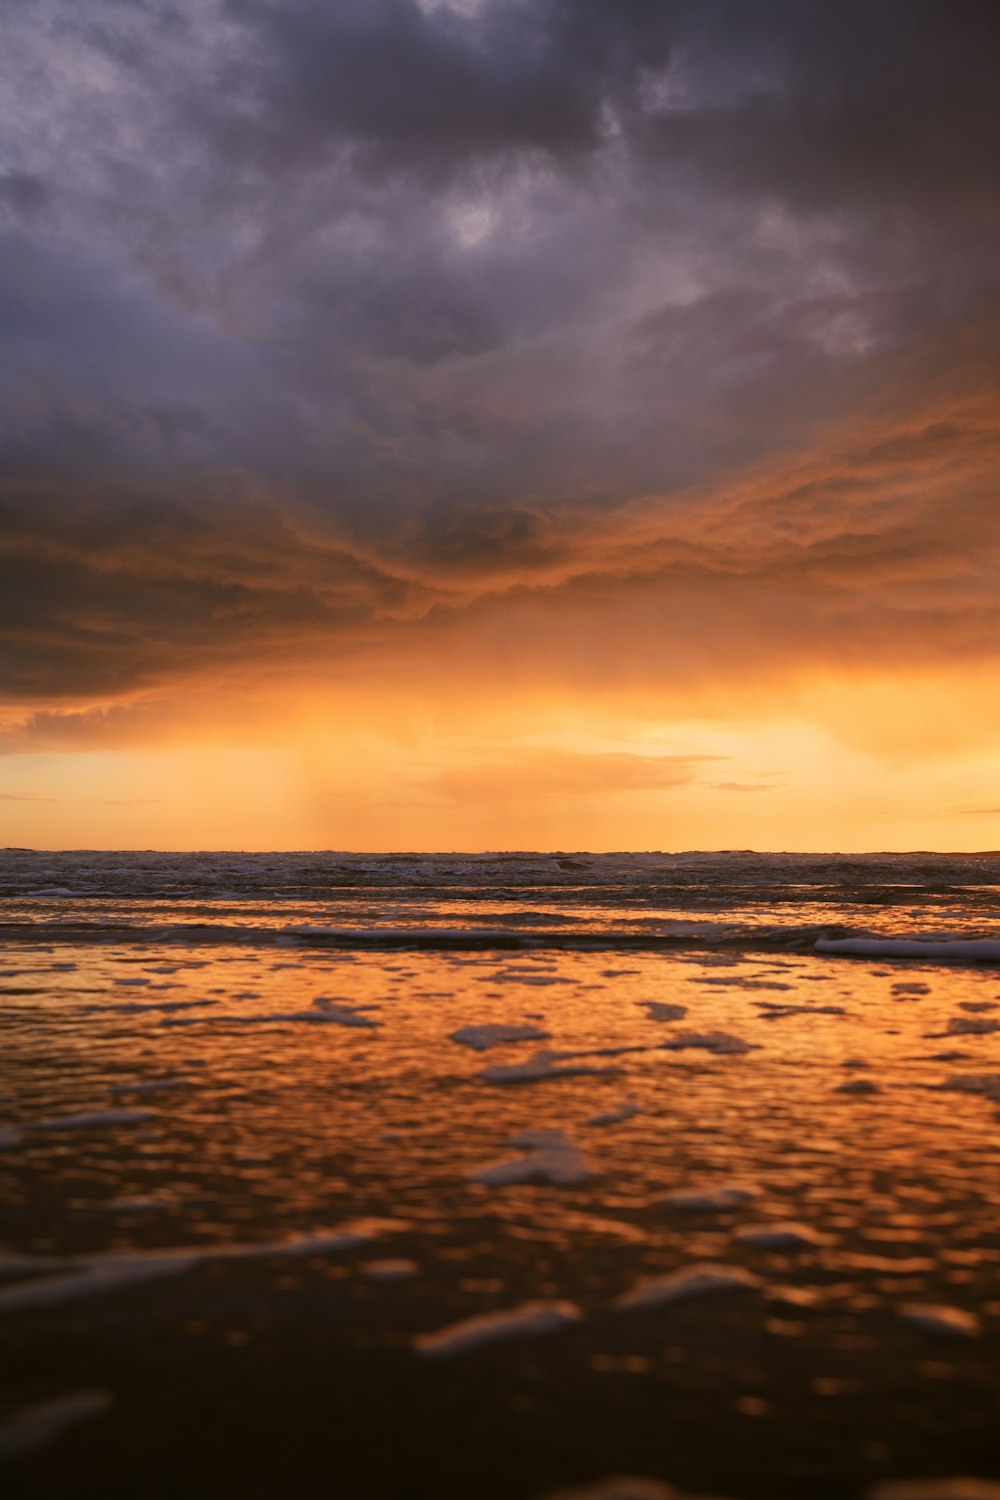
(445, 1176)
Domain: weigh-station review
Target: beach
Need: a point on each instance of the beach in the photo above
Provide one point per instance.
(497, 1175)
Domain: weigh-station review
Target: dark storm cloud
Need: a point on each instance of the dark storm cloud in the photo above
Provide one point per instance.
(22, 193)
(429, 90)
(841, 104)
(826, 100)
(821, 106)
(319, 317)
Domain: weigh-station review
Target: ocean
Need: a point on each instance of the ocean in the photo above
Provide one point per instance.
(499, 1176)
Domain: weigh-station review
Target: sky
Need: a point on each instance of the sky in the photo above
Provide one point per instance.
(466, 424)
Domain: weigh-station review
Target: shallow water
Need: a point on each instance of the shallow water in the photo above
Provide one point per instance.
(271, 1125)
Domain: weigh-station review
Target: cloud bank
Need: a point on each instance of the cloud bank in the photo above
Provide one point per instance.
(498, 342)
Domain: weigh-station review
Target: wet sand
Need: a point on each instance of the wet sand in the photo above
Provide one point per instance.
(279, 1215)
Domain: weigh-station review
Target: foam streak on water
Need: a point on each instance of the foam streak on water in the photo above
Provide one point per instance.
(733, 1148)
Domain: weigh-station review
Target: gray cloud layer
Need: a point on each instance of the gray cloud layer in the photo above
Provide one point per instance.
(316, 316)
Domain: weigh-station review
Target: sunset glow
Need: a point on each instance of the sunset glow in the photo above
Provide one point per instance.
(603, 459)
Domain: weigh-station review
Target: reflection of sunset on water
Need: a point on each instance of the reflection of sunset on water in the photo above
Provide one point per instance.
(514, 1136)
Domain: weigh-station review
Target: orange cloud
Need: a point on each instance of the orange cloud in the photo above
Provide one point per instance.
(458, 672)
(533, 774)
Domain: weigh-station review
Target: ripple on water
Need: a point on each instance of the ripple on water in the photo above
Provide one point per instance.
(783, 1246)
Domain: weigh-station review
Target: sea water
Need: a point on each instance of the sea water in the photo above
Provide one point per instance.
(499, 1175)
